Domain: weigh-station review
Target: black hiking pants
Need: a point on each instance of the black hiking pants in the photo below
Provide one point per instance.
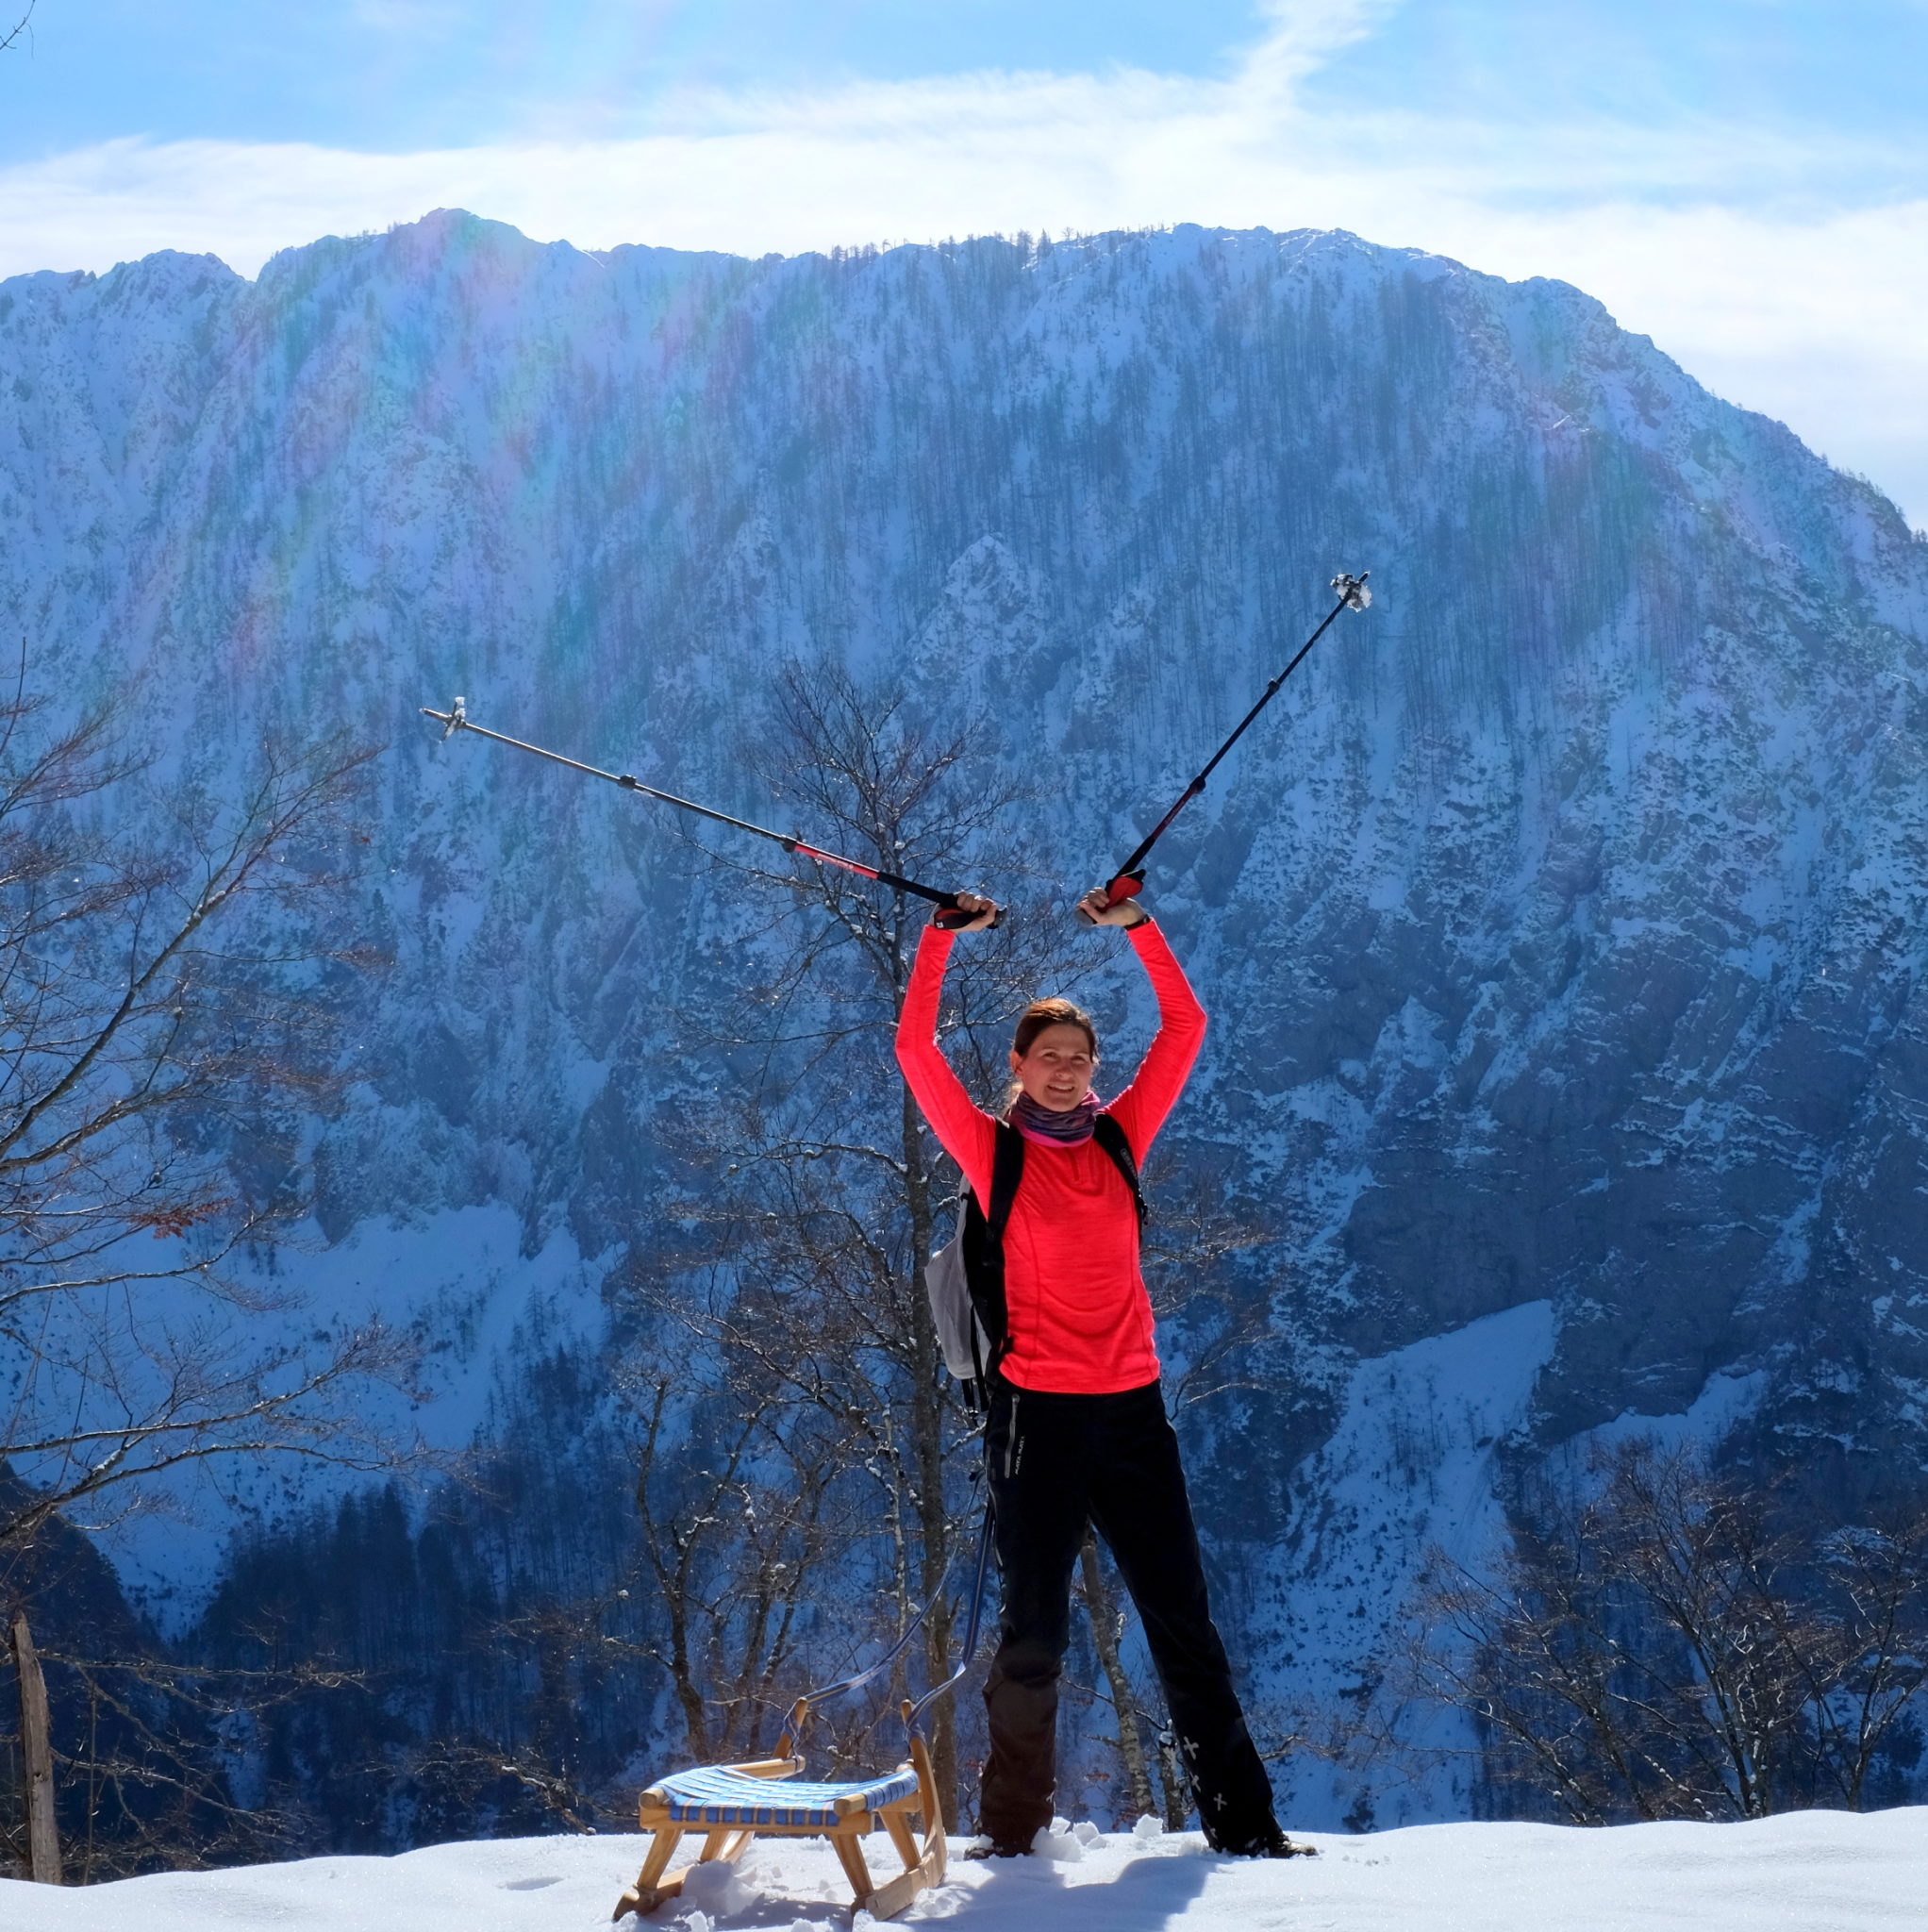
(1056, 1464)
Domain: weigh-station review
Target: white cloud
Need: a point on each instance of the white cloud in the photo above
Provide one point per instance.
(1808, 311)
(1302, 36)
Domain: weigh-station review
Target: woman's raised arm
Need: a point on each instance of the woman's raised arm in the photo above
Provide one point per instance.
(1140, 1109)
(967, 1134)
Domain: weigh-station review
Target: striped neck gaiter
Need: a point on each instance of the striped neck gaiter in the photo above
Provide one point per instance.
(1070, 1126)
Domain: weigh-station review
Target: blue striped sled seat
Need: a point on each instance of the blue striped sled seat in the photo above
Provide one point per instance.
(721, 1796)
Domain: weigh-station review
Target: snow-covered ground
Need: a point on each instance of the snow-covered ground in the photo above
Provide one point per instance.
(1805, 1871)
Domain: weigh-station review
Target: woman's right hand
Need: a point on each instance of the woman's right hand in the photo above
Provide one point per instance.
(985, 911)
(1100, 907)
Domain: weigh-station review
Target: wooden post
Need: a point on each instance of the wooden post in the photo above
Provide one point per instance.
(37, 1749)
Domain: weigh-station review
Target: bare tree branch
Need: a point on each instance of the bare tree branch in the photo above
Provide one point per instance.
(162, 953)
(1664, 1647)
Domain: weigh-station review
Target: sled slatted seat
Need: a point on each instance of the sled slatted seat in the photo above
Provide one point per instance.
(724, 1795)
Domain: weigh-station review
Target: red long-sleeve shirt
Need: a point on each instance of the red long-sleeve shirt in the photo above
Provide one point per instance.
(1080, 1320)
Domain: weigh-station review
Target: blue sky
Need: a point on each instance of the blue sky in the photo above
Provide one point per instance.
(386, 74)
(1746, 180)
(416, 73)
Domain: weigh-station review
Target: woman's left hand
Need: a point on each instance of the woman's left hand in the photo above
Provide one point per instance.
(1101, 912)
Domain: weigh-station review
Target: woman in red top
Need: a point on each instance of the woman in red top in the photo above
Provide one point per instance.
(1078, 1436)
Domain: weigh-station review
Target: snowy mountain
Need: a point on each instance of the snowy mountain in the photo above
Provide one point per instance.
(1562, 926)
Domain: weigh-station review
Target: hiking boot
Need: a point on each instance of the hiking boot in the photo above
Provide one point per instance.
(1000, 1848)
(1267, 1844)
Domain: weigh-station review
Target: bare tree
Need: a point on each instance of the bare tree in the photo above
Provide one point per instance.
(822, 1188)
(1668, 1646)
(1108, 1632)
(148, 1758)
(19, 27)
(168, 990)
(1863, 1686)
(145, 1747)
(731, 1562)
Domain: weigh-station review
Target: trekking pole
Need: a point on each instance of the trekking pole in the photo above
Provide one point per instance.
(951, 914)
(1130, 878)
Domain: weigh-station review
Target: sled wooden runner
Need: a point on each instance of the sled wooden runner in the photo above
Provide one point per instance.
(732, 1803)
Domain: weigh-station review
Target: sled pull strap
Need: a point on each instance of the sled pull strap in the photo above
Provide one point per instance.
(794, 1730)
(974, 1623)
(810, 1699)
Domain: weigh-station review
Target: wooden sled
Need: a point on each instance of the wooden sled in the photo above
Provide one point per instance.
(732, 1803)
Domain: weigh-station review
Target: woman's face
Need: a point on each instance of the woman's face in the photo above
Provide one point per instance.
(1056, 1072)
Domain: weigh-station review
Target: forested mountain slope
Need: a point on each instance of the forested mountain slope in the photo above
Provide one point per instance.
(1562, 926)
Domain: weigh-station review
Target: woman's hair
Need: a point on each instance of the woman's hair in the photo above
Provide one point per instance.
(1042, 1013)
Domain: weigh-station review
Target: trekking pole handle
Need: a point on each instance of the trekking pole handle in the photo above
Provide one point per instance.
(951, 917)
(1127, 885)
(950, 914)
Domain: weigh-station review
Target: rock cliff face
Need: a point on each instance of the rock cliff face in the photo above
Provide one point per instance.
(1562, 926)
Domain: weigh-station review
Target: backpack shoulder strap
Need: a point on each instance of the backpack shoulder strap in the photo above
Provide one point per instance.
(1112, 1137)
(982, 1244)
(1007, 1170)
